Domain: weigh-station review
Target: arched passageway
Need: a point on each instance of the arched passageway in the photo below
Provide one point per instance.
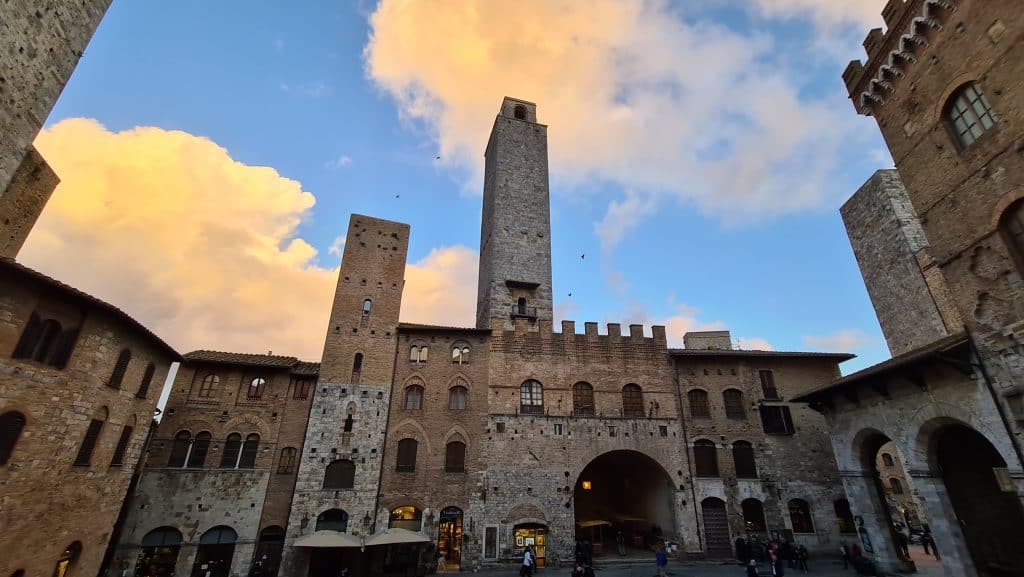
(267, 559)
(216, 548)
(624, 491)
(882, 462)
(989, 514)
(159, 553)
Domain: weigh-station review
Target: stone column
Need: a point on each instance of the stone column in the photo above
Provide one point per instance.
(242, 558)
(872, 520)
(946, 530)
(186, 557)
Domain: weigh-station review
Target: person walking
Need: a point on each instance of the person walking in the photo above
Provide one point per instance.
(526, 570)
(845, 552)
(620, 540)
(902, 542)
(926, 537)
(752, 569)
(801, 558)
(661, 560)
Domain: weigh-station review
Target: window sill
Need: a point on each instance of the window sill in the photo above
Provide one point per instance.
(461, 472)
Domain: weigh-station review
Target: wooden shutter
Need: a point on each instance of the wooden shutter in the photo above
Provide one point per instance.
(92, 435)
(122, 446)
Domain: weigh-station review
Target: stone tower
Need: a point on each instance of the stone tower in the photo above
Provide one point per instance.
(515, 234)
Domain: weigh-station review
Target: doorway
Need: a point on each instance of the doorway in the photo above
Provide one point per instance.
(531, 535)
(159, 553)
(716, 528)
(449, 538)
(216, 548)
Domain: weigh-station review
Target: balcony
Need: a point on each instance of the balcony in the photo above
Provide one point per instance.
(519, 311)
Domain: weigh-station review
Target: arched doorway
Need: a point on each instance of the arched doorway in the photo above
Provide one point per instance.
(887, 500)
(989, 514)
(718, 544)
(624, 491)
(66, 562)
(159, 553)
(330, 561)
(449, 537)
(532, 535)
(216, 548)
(406, 517)
(753, 518)
(267, 559)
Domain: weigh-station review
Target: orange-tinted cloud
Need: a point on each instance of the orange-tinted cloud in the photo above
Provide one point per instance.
(201, 248)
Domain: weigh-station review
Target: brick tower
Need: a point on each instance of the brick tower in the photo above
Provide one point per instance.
(348, 419)
(515, 234)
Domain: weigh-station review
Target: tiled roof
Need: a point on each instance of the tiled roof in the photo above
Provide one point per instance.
(900, 361)
(840, 357)
(419, 327)
(273, 361)
(10, 267)
(305, 368)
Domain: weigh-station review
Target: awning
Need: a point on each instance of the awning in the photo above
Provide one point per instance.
(396, 536)
(325, 538)
(595, 523)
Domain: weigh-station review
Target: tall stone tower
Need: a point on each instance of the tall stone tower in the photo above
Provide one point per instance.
(349, 414)
(515, 234)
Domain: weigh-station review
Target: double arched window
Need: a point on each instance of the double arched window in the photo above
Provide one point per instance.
(286, 464)
(340, 474)
(632, 401)
(256, 388)
(209, 385)
(419, 354)
(705, 458)
(239, 455)
(583, 399)
(46, 341)
(531, 398)
(968, 115)
(460, 354)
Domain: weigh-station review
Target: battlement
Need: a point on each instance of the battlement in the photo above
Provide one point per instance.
(912, 26)
(590, 332)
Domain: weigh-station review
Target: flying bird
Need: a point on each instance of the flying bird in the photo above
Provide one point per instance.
(396, 196)
(570, 295)
(583, 256)
(437, 158)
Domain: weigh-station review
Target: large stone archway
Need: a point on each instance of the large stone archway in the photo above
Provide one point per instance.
(626, 491)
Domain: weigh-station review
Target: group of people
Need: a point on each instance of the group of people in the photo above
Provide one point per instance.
(777, 554)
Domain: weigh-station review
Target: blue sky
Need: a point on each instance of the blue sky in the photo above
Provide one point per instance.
(699, 154)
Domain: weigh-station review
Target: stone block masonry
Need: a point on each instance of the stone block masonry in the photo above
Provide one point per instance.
(24, 200)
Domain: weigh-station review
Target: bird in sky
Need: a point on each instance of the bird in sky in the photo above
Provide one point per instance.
(570, 295)
(396, 196)
(437, 158)
(583, 256)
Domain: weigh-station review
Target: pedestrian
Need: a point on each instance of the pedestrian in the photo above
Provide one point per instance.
(580, 557)
(931, 542)
(578, 571)
(787, 553)
(845, 552)
(778, 569)
(661, 560)
(742, 549)
(526, 570)
(801, 558)
(752, 568)
(620, 540)
(902, 542)
(925, 538)
(855, 551)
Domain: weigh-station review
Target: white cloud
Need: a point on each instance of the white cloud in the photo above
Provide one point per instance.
(318, 89)
(211, 259)
(825, 13)
(754, 344)
(337, 247)
(842, 341)
(279, 45)
(633, 95)
(340, 162)
(622, 217)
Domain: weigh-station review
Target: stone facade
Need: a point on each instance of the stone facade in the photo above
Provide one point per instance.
(65, 372)
(944, 82)
(21, 205)
(40, 45)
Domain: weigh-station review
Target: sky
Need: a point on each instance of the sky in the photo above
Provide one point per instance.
(210, 154)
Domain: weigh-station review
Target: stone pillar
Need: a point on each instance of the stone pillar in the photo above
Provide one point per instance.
(872, 521)
(946, 531)
(186, 557)
(242, 558)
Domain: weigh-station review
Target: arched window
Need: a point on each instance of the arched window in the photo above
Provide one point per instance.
(407, 517)
(460, 355)
(340, 474)
(800, 516)
(743, 459)
(531, 398)
(582, 399)
(521, 307)
(733, 399)
(45, 341)
(413, 398)
(180, 449)
(251, 446)
(357, 368)
(208, 386)
(232, 450)
(92, 435)
(406, 461)
(220, 535)
(1011, 225)
(114, 382)
(705, 458)
(200, 446)
(256, 388)
(844, 516)
(457, 396)
(455, 457)
(632, 401)
(519, 112)
(122, 444)
(11, 425)
(67, 560)
(699, 408)
(286, 464)
(349, 424)
(332, 520)
(367, 305)
(753, 515)
(896, 486)
(968, 115)
(162, 537)
(418, 354)
(887, 460)
(147, 379)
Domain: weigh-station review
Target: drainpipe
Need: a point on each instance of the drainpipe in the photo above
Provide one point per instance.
(990, 386)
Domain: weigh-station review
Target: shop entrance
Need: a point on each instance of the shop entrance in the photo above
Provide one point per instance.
(531, 535)
(623, 491)
(159, 553)
(213, 557)
(449, 538)
(989, 514)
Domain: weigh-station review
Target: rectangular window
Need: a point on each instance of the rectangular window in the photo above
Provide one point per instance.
(301, 390)
(663, 430)
(491, 542)
(768, 384)
(558, 429)
(611, 431)
(776, 420)
(500, 427)
(92, 434)
(122, 446)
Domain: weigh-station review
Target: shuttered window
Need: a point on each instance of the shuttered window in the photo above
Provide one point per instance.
(286, 465)
(340, 474)
(120, 367)
(406, 456)
(92, 435)
(705, 458)
(733, 399)
(743, 459)
(699, 407)
(147, 378)
(632, 401)
(122, 447)
(583, 399)
(11, 425)
(455, 457)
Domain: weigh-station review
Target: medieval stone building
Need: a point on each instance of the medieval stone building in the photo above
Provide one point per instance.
(940, 243)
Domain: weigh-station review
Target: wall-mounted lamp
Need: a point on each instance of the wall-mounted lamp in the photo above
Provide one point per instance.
(587, 485)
